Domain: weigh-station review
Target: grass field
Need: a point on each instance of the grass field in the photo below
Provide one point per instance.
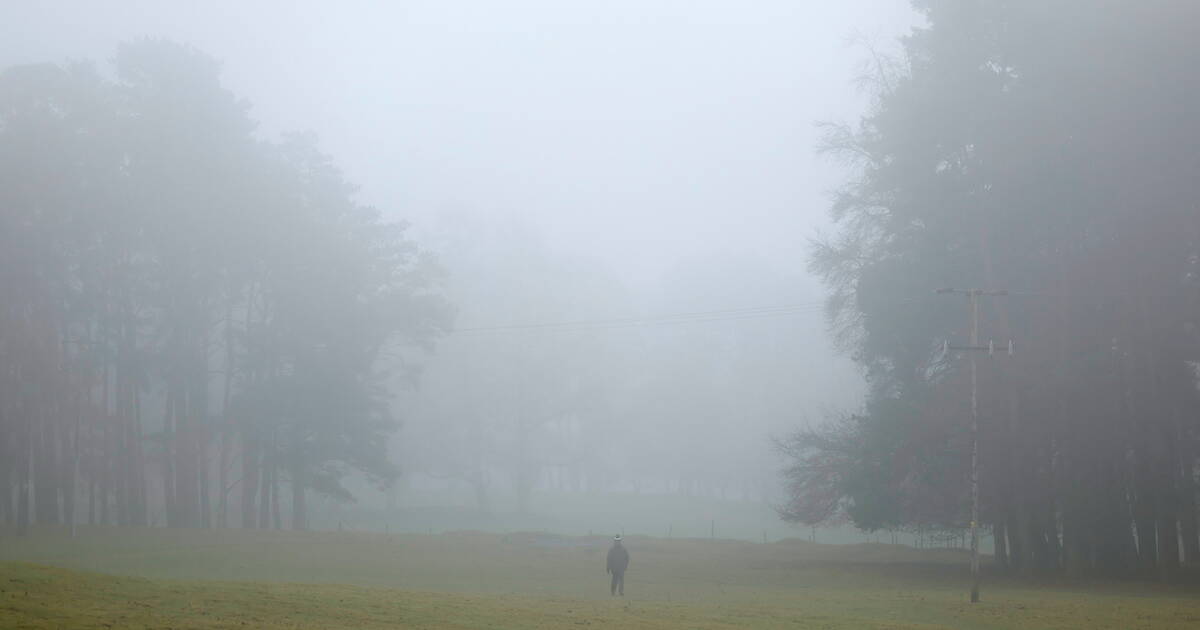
(193, 579)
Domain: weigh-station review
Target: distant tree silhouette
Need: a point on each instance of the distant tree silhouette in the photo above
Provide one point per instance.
(1047, 149)
(189, 310)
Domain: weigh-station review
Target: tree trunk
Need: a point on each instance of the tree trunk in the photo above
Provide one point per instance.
(1143, 512)
(276, 522)
(205, 499)
(169, 458)
(226, 428)
(25, 487)
(1187, 521)
(1075, 548)
(223, 476)
(522, 473)
(264, 506)
(1113, 546)
(1054, 551)
(187, 486)
(251, 442)
(45, 495)
(299, 504)
(999, 538)
(202, 432)
(1027, 533)
(141, 515)
(122, 464)
(1016, 550)
(1167, 534)
(106, 464)
(72, 486)
(6, 460)
(250, 477)
(103, 457)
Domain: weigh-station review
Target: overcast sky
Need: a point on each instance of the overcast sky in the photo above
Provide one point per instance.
(637, 132)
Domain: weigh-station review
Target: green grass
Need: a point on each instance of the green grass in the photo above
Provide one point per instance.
(237, 579)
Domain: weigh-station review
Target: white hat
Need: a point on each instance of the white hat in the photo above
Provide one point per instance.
(617, 538)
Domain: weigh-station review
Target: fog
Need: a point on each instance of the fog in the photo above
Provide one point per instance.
(798, 313)
(619, 197)
(636, 134)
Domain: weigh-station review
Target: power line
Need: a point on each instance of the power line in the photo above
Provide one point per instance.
(673, 318)
(1104, 296)
(735, 314)
(677, 318)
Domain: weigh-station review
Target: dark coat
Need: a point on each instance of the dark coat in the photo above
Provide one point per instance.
(618, 559)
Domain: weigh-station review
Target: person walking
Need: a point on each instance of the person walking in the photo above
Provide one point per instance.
(618, 561)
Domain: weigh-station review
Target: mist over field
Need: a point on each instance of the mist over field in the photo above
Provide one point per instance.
(615, 168)
(420, 295)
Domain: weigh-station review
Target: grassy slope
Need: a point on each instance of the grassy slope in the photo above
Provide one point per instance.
(270, 579)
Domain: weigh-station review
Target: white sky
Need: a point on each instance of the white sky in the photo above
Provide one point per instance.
(640, 133)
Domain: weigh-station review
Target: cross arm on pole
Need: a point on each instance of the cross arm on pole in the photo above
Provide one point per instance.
(990, 348)
(992, 292)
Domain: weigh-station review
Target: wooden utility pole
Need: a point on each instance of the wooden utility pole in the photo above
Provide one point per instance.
(973, 348)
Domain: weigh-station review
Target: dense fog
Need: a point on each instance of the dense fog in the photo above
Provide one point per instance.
(920, 272)
(612, 205)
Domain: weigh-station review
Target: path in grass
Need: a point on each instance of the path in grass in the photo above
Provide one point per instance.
(471, 580)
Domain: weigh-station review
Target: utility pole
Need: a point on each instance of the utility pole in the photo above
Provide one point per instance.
(974, 347)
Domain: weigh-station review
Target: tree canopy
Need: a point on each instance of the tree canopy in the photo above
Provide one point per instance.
(187, 303)
(1046, 149)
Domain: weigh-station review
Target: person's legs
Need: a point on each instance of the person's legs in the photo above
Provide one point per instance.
(615, 577)
(620, 578)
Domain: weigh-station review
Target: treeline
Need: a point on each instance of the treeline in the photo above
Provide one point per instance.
(682, 407)
(1048, 149)
(195, 323)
